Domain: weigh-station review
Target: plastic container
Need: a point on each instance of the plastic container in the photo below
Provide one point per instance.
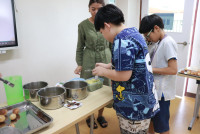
(14, 94)
(95, 84)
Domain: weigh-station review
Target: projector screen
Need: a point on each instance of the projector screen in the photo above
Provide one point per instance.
(8, 34)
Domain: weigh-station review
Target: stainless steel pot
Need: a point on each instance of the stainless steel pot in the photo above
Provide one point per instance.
(31, 89)
(76, 90)
(52, 97)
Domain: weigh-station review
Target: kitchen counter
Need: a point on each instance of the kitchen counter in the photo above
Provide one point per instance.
(64, 118)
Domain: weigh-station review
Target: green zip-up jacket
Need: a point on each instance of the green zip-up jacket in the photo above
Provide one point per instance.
(92, 48)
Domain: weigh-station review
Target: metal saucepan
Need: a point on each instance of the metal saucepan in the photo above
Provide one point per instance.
(76, 90)
(52, 97)
(31, 89)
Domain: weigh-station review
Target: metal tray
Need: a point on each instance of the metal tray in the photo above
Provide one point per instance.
(29, 120)
(189, 75)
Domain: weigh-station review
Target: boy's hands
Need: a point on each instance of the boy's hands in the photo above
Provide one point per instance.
(98, 71)
(108, 66)
(0, 75)
(105, 70)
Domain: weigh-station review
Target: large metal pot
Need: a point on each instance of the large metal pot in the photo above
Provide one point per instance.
(76, 90)
(52, 97)
(31, 89)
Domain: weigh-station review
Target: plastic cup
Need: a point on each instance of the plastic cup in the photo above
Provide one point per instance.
(14, 94)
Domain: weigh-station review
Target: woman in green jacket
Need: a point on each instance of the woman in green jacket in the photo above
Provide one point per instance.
(91, 49)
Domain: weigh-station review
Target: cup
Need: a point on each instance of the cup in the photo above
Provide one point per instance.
(14, 94)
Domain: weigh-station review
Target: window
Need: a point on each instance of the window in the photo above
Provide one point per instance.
(171, 11)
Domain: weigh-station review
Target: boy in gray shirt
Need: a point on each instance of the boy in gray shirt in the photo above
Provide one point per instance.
(164, 62)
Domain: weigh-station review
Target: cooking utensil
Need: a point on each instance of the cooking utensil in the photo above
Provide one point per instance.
(76, 90)
(96, 77)
(88, 70)
(31, 89)
(10, 130)
(7, 82)
(51, 97)
(24, 123)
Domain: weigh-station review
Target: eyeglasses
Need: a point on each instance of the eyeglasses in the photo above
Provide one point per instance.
(147, 36)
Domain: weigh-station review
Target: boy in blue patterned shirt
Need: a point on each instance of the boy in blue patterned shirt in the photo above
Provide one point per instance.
(135, 99)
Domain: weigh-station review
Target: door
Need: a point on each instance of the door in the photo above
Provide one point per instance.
(177, 16)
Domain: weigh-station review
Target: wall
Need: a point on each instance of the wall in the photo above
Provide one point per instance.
(133, 13)
(47, 34)
(145, 8)
(131, 10)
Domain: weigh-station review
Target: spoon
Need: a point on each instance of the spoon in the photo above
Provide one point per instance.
(96, 77)
(88, 70)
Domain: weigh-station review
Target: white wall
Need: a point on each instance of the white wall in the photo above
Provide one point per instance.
(131, 10)
(47, 34)
(145, 8)
(133, 13)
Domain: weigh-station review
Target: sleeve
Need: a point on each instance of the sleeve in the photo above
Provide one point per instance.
(170, 50)
(80, 46)
(124, 55)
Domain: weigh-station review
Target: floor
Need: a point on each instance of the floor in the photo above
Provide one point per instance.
(181, 114)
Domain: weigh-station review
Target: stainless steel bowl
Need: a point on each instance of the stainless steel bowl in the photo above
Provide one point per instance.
(76, 90)
(31, 89)
(52, 97)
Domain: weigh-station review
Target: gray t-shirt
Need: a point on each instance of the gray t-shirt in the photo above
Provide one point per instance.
(162, 52)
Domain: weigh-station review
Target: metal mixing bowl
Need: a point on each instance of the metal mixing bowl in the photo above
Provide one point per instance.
(52, 97)
(76, 90)
(31, 89)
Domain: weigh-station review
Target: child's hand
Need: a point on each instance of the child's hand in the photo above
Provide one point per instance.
(108, 66)
(98, 71)
(0, 75)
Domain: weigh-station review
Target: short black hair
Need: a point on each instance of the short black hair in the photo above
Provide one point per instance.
(96, 1)
(109, 14)
(148, 23)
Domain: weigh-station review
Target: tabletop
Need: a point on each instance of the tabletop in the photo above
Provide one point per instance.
(189, 76)
(64, 118)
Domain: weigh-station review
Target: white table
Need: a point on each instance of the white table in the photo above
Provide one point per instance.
(64, 118)
(197, 99)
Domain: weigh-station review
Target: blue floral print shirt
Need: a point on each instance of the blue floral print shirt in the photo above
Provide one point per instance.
(135, 99)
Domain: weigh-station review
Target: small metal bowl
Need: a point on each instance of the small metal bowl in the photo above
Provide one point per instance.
(52, 97)
(31, 89)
